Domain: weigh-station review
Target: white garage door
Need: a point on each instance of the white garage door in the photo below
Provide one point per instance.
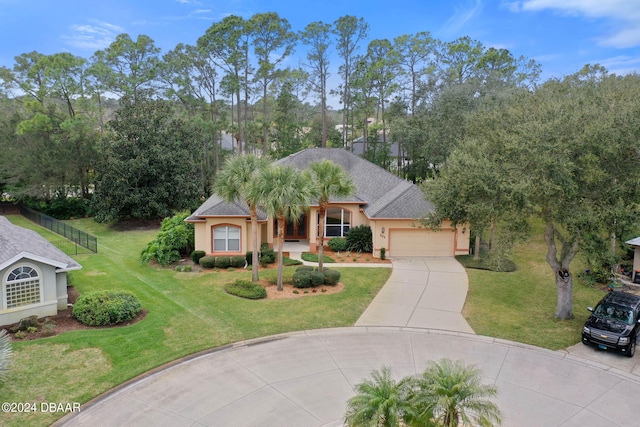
(418, 242)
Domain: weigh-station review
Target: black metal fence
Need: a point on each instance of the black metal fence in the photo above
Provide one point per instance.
(77, 236)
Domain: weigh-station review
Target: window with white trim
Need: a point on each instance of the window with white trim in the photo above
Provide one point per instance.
(226, 238)
(22, 287)
(337, 222)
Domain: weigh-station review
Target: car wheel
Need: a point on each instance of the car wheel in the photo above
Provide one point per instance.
(632, 349)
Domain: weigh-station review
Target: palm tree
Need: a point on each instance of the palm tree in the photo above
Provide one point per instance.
(5, 354)
(234, 182)
(285, 193)
(381, 401)
(330, 180)
(450, 394)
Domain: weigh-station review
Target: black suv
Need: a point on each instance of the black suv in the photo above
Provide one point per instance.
(613, 324)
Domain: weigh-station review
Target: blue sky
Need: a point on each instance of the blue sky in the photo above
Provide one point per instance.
(562, 35)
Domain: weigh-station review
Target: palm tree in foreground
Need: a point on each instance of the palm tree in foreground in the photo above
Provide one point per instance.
(330, 180)
(285, 193)
(381, 401)
(234, 182)
(5, 354)
(450, 394)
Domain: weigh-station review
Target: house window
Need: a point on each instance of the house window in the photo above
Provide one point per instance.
(226, 238)
(337, 222)
(22, 287)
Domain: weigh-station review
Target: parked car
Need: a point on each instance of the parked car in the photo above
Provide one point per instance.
(614, 323)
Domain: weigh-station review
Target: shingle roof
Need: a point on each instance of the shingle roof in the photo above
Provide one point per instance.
(380, 193)
(17, 242)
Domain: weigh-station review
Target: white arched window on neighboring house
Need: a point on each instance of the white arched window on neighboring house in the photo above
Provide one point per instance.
(22, 287)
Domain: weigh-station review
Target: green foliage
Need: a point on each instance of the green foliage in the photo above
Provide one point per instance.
(61, 207)
(174, 239)
(207, 261)
(383, 253)
(149, 166)
(238, 261)
(223, 261)
(246, 289)
(6, 352)
(196, 255)
(305, 268)
(289, 261)
(313, 257)
(109, 307)
(338, 244)
(301, 279)
(360, 239)
(317, 278)
(267, 256)
(331, 277)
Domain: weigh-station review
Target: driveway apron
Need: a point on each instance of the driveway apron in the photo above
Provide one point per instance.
(422, 292)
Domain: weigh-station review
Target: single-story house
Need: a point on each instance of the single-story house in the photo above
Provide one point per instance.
(390, 205)
(33, 274)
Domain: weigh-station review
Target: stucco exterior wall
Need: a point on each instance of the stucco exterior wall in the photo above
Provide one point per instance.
(52, 296)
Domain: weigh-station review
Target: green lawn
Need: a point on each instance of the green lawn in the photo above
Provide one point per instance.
(519, 305)
(187, 313)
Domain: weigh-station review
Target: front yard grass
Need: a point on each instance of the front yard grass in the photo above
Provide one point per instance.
(187, 313)
(519, 305)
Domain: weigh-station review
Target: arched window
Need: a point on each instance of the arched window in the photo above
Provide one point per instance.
(337, 222)
(226, 238)
(22, 287)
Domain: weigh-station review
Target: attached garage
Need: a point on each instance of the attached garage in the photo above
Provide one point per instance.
(419, 242)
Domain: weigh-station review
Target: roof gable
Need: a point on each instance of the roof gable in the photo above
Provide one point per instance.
(17, 243)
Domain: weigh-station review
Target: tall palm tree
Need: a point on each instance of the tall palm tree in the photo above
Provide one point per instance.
(381, 401)
(450, 394)
(330, 180)
(234, 182)
(5, 354)
(285, 193)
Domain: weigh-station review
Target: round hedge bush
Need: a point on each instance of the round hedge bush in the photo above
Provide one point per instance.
(207, 261)
(317, 278)
(110, 307)
(238, 261)
(246, 289)
(223, 262)
(338, 244)
(301, 279)
(331, 277)
(196, 255)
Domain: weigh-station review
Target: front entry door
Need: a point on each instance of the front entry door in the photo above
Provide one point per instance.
(294, 230)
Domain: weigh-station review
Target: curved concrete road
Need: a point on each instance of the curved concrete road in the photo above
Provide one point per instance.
(305, 379)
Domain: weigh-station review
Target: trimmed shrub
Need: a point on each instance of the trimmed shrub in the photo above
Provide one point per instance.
(305, 268)
(110, 307)
(317, 278)
(207, 261)
(249, 257)
(383, 253)
(174, 239)
(246, 289)
(331, 277)
(338, 244)
(238, 261)
(301, 279)
(196, 255)
(223, 262)
(360, 239)
(267, 256)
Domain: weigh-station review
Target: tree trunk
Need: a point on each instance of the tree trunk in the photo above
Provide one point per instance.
(254, 235)
(560, 268)
(476, 252)
(281, 222)
(320, 237)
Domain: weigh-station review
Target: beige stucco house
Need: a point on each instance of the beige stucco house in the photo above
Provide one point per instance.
(33, 274)
(388, 204)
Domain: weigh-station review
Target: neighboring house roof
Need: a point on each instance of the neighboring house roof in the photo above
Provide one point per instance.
(380, 193)
(17, 243)
(633, 242)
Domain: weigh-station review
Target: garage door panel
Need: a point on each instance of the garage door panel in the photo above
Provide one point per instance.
(417, 242)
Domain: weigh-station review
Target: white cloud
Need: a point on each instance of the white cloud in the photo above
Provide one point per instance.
(461, 16)
(93, 36)
(622, 17)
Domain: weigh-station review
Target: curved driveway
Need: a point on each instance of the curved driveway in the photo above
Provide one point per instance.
(305, 378)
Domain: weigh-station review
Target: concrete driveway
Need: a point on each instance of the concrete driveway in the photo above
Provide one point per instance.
(422, 292)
